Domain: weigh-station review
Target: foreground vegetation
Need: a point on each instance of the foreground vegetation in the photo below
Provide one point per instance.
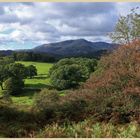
(90, 129)
(78, 113)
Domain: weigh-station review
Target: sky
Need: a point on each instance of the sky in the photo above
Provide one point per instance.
(27, 25)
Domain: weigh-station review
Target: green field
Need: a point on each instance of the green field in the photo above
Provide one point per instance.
(41, 80)
(33, 85)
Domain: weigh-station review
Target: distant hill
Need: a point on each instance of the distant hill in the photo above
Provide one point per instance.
(69, 48)
(5, 52)
(79, 47)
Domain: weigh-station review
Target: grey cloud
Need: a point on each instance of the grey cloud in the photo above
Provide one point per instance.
(8, 19)
(81, 9)
(56, 21)
(1, 11)
(80, 15)
(43, 27)
(27, 3)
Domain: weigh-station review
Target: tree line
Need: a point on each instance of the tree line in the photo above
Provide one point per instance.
(31, 56)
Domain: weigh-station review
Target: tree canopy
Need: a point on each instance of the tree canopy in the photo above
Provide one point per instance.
(70, 72)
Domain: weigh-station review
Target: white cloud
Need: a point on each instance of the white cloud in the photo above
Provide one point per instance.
(49, 22)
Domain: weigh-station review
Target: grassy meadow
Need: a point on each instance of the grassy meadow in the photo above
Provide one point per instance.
(33, 85)
(41, 80)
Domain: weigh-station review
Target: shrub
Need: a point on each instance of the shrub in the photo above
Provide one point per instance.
(50, 106)
(15, 122)
(117, 85)
(71, 107)
(46, 103)
(14, 86)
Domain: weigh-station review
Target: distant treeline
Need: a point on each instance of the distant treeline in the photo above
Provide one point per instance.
(45, 57)
(31, 56)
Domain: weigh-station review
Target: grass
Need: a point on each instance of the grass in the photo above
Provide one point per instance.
(25, 99)
(32, 86)
(41, 80)
(90, 129)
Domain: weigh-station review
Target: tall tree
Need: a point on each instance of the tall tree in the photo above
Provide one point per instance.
(3, 71)
(16, 70)
(31, 71)
(2, 76)
(14, 86)
(127, 28)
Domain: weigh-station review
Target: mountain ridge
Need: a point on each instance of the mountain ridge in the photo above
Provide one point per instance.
(70, 48)
(75, 47)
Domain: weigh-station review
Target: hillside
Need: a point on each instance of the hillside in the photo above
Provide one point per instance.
(5, 52)
(79, 47)
(69, 48)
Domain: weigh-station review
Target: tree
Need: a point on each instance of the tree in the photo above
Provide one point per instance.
(68, 76)
(31, 71)
(14, 75)
(31, 56)
(2, 76)
(3, 71)
(128, 28)
(14, 85)
(71, 72)
(16, 70)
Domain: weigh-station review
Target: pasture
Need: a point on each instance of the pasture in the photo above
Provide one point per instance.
(33, 85)
(42, 79)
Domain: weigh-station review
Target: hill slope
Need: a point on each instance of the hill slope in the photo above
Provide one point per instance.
(77, 47)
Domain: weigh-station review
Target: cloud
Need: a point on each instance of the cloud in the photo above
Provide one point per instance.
(37, 23)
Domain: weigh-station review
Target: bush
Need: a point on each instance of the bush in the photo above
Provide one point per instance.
(14, 86)
(72, 107)
(50, 106)
(46, 103)
(15, 122)
(117, 86)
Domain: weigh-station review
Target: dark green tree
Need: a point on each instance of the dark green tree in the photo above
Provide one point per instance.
(16, 70)
(31, 71)
(14, 86)
(2, 76)
(71, 72)
(68, 76)
(3, 71)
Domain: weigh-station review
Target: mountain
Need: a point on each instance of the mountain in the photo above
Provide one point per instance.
(69, 48)
(5, 52)
(79, 47)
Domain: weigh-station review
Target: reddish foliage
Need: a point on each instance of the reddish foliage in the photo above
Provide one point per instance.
(118, 84)
(120, 69)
